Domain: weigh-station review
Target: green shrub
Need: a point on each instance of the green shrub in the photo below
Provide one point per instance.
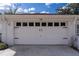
(3, 46)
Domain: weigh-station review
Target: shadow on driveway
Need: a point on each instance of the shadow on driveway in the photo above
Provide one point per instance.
(24, 50)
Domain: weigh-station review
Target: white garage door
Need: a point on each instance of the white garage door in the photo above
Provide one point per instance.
(41, 32)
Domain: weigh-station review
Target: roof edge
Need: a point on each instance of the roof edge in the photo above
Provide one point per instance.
(40, 14)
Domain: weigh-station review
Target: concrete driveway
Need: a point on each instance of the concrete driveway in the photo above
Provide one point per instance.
(22, 50)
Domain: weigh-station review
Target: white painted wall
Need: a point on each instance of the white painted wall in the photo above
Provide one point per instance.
(4, 29)
(0, 25)
(0, 28)
(10, 33)
(71, 31)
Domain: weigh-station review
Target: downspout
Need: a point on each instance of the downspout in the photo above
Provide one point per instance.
(75, 26)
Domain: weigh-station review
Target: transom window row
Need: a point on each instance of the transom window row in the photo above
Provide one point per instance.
(40, 23)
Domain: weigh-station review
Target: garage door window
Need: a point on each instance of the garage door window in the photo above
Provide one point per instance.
(63, 24)
(24, 23)
(77, 29)
(50, 24)
(37, 24)
(31, 24)
(56, 23)
(43, 23)
(18, 24)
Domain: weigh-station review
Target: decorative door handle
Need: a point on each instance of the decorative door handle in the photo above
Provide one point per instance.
(65, 27)
(65, 38)
(16, 27)
(16, 38)
(40, 29)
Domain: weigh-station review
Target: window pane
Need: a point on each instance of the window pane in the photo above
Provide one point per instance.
(77, 26)
(56, 24)
(77, 29)
(50, 24)
(31, 24)
(63, 24)
(37, 24)
(43, 23)
(18, 24)
(24, 23)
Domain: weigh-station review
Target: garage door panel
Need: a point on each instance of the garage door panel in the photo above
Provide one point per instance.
(41, 35)
(54, 35)
(27, 37)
